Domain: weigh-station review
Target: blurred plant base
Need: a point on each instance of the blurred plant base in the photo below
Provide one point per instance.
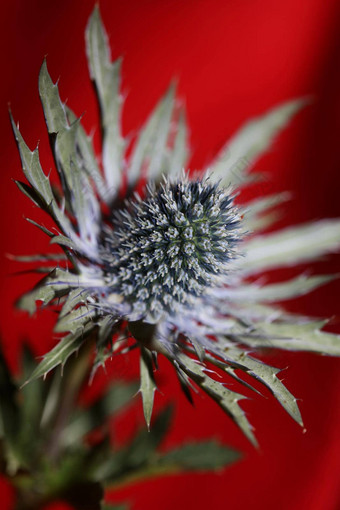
(54, 449)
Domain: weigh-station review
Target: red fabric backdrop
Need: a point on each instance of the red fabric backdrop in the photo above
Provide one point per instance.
(233, 60)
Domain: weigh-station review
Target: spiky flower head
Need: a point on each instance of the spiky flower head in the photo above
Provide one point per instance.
(162, 252)
(166, 266)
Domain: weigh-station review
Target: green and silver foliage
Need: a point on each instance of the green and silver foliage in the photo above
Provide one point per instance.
(166, 268)
(53, 447)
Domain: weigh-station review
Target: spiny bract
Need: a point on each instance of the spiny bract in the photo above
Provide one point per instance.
(164, 267)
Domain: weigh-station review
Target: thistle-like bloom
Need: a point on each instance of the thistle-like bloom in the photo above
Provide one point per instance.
(172, 266)
(161, 253)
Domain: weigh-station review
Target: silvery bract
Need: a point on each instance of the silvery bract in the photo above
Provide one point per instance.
(173, 267)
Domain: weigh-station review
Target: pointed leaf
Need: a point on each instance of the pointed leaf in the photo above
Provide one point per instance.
(180, 152)
(30, 193)
(264, 373)
(75, 297)
(256, 216)
(274, 291)
(200, 456)
(290, 246)
(41, 227)
(150, 147)
(32, 168)
(82, 201)
(148, 385)
(61, 352)
(55, 284)
(64, 241)
(104, 347)
(78, 192)
(251, 142)
(28, 301)
(41, 193)
(226, 399)
(106, 77)
(46, 257)
(158, 150)
(87, 159)
(295, 337)
(75, 320)
(54, 110)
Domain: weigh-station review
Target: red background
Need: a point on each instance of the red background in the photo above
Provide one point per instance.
(233, 60)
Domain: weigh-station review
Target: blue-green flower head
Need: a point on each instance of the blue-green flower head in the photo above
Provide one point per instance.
(162, 252)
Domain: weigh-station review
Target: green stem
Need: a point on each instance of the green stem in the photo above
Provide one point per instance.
(76, 370)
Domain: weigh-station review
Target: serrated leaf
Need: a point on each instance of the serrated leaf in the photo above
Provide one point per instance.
(290, 246)
(75, 297)
(28, 301)
(75, 320)
(87, 159)
(148, 385)
(106, 77)
(232, 373)
(54, 110)
(226, 399)
(264, 373)
(41, 192)
(82, 201)
(55, 284)
(185, 383)
(65, 147)
(106, 327)
(32, 168)
(150, 146)
(199, 456)
(78, 192)
(104, 348)
(250, 142)
(61, 352)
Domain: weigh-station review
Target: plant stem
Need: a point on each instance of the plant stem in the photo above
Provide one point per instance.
(75, 373)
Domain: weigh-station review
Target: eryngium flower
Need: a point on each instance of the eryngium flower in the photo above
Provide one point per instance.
(173, 267)
(162, 252)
